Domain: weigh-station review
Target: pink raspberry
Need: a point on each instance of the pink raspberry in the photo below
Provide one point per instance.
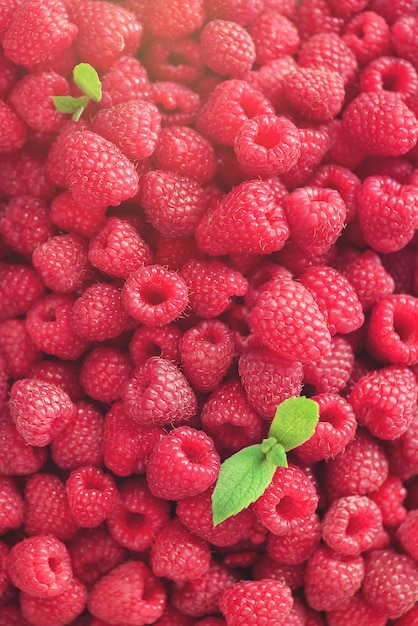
(274, 35)
(17, 458)
(160, 341)
(63, 608)
(290, 575)
(20, 288)
(62, 263)
(390, 73)
(24, 173)
(11, 505)
(128, 593)
(332, 372)
(104, 372)
(183, 463)
(314, 144)
(227, 48)
(269, 79)
(64, 374)
(99, 314)
(178, 104)
(249, 601)
(25, 224)
(178, 554)
(73, 217)
(368, 36)
(402, 452)
(13, 132)
(17, 348)
(158, 393)
(342, 180)
(176, 19)
(126, 80)
(239, 11)
(356, 610)
(328, 49)
(317, 93)
(92, 495)
(345, 7)
(389, 498)
(174, 60)
(406, 533)
(404, 37)
(316, 16)
(296, 546)
(40, 566)
(369, 278)
(174, 253)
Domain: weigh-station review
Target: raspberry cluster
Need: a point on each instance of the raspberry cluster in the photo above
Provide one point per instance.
(227, 219)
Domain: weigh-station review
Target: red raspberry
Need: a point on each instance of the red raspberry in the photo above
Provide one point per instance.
(11, 505)
(17, 458)
(329, 50)
(227, 48)
(316, 16)
(62, 609)
(259, 278)
(80, 443)
(38, 29)
(231, 104)
(296, 546)
(407, 532)
(64, 374)
(160, 341)
(268, 379)
(384, 401)
(176, 60)
(212, 286)
(126, 80)
(398, 265)
(25, 224)
(288, 320)
(139, 517)
(178, 554)
(72, 217)
(391, 11)
(317, 93)
(178, 104)
(335, 298)
(239, 11)
(175, 19)
(158, 393)
(97, 172)
(174, 253)
(269, 79)
(99, 314)
(173, 204)
(380, 124)
(92, 495)
(390, 74)
(249, 601)
(402, 452)
(404, 37)
(389, 498)
(332, 373)
(127, 445)
(105, 32)
(342, 180)
(345, 7)
(196, 514)
(184, 463)
(62, 263)
(368, 36)
(40, 410)
(128, 593)
(229, 419)
(94, 553)
(314, 144)
(273, 35)
(40, 566)
(17, 348)
(20, 287)
(331, 579)
(290, 575)
(219, 231)
(13, 132)
(104, 372)
(24, 173)
(356, 610)
(382, 568)
(369, 278)
(7, 10)
(343, 151)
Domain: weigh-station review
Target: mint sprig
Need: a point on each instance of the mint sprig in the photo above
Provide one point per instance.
(245, 475)
(88, 81)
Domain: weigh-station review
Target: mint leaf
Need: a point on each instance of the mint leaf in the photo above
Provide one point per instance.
(87, 79)
(294, 422)
(277, 455)
(243, 478)
(68, 104)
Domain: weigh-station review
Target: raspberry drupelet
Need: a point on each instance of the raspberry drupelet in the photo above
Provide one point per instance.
(248, 602)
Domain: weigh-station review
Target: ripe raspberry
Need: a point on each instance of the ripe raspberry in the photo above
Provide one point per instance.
(99, 314)
(80, 443)
(24, 173)
(288, 320)
(17, 458)
(335, 298)
(404, 36)
(177, 60)
(139, 517)
(347, 6)
(356, 610)
(92, 495)
(97, 172)
(20, 287)
(40, 566)
(13, 132)
(406, 533)
(183, 463)
(62, 263)
(64, 374)
(17, 348)
(374, 117)
(402, 452)
(174, 253)
(290, 575)
(390, 74)
(296, 546)
(160, 341)
(104, 372)
(331, 579)
(173, 617)
(274, 35)
(105, 32)
(11, 505)
(175, 19)
(178, 104)
(317, 93)
(342, 180)
(316, 16)
(212, 286)
(314, 144)
(390, 582)
(173, 204)
(72, 217)
(269, 80)
(25, 224)
(178, 554)
(57, 610)
(369, 278)
(126, 80)
(332, 373)
(250, 602)
(227, 48)
(329, 50)
(38, 29)
(40, 410)
(368, 36)
(389, 498)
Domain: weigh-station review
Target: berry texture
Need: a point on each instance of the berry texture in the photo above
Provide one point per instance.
(248, 602)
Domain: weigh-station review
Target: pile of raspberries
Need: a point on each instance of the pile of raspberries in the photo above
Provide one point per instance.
(232, 224)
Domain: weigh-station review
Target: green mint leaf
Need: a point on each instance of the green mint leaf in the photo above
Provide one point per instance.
(277, 455)
(87, 79)
(294, 422)
(243, 478)
(68, 104)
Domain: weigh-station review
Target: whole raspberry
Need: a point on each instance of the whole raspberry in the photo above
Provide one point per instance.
(178, 554)
(128, 593)
(92, 495)
(11, 505)
(25, 224)
(40, 566)
(368, 36)
(126, 80)
(62, 263)
(227, 48)
(379, 123)
(17, 458)
(105, 32)
(317, 93)
(183, 463)
(274, 35)
(13, 132)
(342, 180)
(138, 517)
(332, 372)
(38, 29)
(390, 582)
(288, 320)
(178, 104)
(314, 144)
(329, 50)
(404, 37)
(369, 278)
(40, 410)
(20, 287)
(290, 575)
(402, 452)
(389, 498)
(297, 546)
(160, 341)
(158, 393)
(268, 79)
(175, 19)
(99, 314)
(57, 610)
(24, 173)
(174, 60)
(316, 16)
(73, 217)
(17, 348)
(103, 373)
(250, 602)
(64, 374)
(392, 74)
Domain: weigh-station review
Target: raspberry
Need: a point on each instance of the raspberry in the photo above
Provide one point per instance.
(72, 217)
(92, 495)
(175, 19)
(80, 443)
(390, 74)
(347, 6)
(269, 79)
(104, 372)
(331, 579)
(98, 314)
(178, 104)
(126, 80)
(113, 29)
(160, 341)
(329, 50)
(342, 180)
(63, 608)
(17, 458)
(24, 173)
(288, 320)
(239, 11)
(317, 93)
(290, 575)
(184, 463)
(268, 379)
(273, 35)
(389, 498)
(174, 253)
(173, 617)
(249, 602)
(173, 204)
(316, 16)
(38, 29)
(212, 286)
(404, 36)
(20, 287)
(368, 36)
(40, 566)
(17, 348)
(154, 295)
(25, 224)
(402, 452)
(97, 172)
(139, 517)
(259, 278)
(62, 263)
(206, 352)
(220, 232)
(406, 533)
(177, 60)
(227, 48)
(314, 144)
(374, 117)
(369, 278)
(390, 582)
(335, 298)
(13, 130)
(178, 554)
(64, 374)
(333, 371)
(387, 231)
(356, 610)
(12, 508)
(296, 546)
